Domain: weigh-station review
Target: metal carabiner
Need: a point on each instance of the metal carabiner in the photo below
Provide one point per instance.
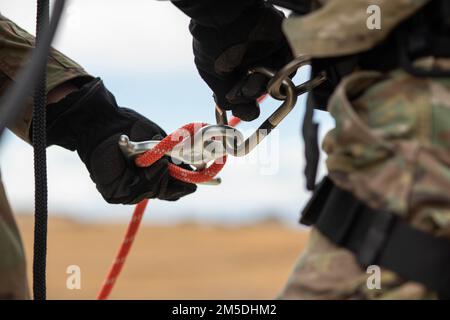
(212, 142)
(244, 148)
(275, 85)
(280, 87)
(208, 144)
(131, 149)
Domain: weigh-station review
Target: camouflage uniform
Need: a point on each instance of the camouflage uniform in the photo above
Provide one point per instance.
(15, 45)
(390, 146)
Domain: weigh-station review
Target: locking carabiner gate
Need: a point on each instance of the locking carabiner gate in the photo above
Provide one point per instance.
(280, 87)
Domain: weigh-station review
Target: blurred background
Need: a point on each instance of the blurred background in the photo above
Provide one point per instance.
(237, 240)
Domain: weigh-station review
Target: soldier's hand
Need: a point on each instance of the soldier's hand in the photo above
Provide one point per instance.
(90, 122)
(224, 54)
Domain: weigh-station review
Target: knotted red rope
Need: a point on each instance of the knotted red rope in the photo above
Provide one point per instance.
(168, 143)
(145, 160)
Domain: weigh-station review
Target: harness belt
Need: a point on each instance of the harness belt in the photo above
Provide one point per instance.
(378, 237)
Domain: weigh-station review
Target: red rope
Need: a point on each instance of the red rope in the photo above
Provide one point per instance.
(146, 160)
(121, 257)
(168, 143)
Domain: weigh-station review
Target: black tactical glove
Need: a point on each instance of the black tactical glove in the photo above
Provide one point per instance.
(226, 49)
(90, 122)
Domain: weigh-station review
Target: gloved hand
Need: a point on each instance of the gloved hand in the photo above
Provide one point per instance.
(224, 54)
(90, 122)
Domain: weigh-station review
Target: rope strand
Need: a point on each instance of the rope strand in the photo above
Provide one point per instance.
(40, 165)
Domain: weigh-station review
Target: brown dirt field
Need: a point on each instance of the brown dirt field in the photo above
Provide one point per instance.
(179, 262)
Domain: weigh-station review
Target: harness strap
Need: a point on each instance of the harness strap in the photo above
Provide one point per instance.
(310, 134)
(378, 237)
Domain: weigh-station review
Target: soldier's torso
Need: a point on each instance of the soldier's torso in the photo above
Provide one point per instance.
(340, 35)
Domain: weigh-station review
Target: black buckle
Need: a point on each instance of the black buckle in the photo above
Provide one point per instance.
(376, 237)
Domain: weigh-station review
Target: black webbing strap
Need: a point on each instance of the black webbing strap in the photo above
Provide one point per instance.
(381, 238)
(310, 134)
(40, 164)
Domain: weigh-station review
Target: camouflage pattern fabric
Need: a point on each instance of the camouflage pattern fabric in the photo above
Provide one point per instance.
(339, 27)
(15, 46)
(13, 277)
(391, 149)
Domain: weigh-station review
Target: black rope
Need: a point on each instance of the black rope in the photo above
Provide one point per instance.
(40, 164)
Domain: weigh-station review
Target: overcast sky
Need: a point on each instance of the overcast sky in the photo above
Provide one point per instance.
(125, 36)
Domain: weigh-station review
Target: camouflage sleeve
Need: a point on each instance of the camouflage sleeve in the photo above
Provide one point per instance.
(15, 47)
(215, 13)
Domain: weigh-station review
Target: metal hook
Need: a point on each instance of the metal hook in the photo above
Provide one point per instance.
(208, 144)
(275, 85)
(244, 148)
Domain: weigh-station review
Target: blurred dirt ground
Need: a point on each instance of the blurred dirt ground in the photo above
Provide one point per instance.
(178, 262)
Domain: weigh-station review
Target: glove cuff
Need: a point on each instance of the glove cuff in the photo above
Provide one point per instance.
(87, 117)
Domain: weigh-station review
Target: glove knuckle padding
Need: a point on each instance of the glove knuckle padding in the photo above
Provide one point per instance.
(107, 163)
(224, 54)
